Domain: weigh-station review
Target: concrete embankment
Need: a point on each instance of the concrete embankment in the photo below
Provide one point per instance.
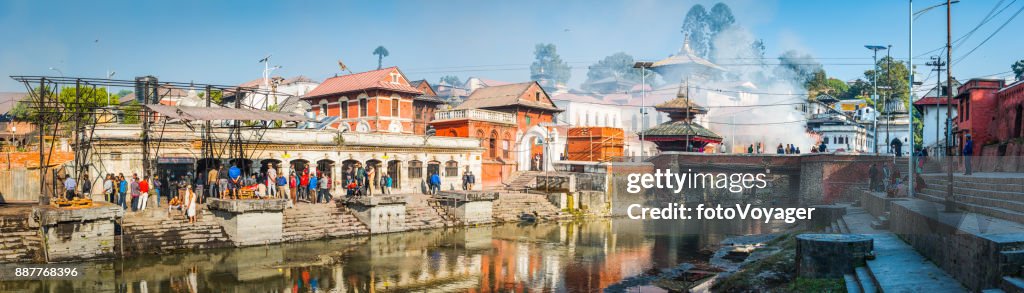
(90, 233)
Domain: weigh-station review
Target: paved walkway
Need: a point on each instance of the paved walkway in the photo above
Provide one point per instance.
(897, 266)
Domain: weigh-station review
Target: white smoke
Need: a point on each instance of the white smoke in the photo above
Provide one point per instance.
(753, 80)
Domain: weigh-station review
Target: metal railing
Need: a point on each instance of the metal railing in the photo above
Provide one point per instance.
(475, 114)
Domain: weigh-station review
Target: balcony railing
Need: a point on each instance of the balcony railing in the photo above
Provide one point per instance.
(475, 114)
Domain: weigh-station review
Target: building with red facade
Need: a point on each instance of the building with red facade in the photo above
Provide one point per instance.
(1009, 123)
(373, 101)
(514, 124)
(424, 106)
(976, 112)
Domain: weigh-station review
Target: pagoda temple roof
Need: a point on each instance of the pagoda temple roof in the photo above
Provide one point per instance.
(680, 104)
(685, 56)
(680, 130)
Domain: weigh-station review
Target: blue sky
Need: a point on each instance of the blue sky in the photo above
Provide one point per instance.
(220, 42)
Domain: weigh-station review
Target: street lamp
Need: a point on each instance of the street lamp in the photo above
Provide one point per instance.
(874, 95)
(110, 75)
(643, 66)
(58, 71)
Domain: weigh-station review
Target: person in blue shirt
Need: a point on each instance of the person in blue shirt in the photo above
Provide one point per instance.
(968, 152)
(235, 175)
(435, 183)
(122, 190)
(314, 196)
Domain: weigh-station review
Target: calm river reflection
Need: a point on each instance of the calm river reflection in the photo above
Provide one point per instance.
(582, 256)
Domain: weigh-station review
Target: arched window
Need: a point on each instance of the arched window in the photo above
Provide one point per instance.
(451, 169)
(395, 100)
(343, 104)
(415, 169)
(492, 145)
(363, 105)
(323, 108)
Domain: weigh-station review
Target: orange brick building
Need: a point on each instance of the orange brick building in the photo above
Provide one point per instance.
(513, 123)
(424, 106)
(373, 101)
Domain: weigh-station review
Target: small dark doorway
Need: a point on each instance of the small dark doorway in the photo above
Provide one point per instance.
(394, 168)
(433, 167)
(1017, 124)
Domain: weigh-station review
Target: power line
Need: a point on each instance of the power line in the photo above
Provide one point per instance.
(1015, 14)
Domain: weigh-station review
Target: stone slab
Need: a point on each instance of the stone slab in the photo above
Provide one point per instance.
(49, 215)
(246, 205)
(461, 195)
(378, 200)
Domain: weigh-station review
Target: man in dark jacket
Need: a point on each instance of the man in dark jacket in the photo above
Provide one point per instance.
(968, 152)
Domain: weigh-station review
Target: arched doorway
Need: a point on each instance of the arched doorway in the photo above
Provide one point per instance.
(203, 166)
(299, 166)
(531, 151)
(394, 169)
(376, 165)
(276, 164)
(433, 167)
(325, 167)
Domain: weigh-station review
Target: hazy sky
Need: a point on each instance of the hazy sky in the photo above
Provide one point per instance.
(220, 42)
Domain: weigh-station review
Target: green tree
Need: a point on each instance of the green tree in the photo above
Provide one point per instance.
(820, 83)
(132, 112)
(548, 65)
(617, 65)
(892, 79)
(1018, 69)
(381, 52)
(216, 96)
(702, 26)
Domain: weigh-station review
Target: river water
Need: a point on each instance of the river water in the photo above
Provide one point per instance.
(578, 256)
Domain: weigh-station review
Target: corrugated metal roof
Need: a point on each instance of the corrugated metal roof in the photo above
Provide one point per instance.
(204, 114)
(376, 79)
(505, 95)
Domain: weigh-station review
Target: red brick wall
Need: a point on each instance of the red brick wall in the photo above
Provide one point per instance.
(976, 110)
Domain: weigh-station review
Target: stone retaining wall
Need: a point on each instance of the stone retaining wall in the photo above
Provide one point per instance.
(975, 249)
(19, 239)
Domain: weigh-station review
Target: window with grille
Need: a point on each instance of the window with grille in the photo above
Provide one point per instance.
(451, 169)
(362, 107)
(394, 107)
(419, 112)
(344, 108)
(415, 169)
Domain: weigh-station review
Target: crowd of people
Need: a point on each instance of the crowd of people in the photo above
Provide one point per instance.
(781, 150)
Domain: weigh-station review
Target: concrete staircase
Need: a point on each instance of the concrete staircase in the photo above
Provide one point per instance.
(522, 180)
(320, 221)
(897, 267)
(509, 206)
(422, 213)
(19, 242)
(999, 195)
(156, 230)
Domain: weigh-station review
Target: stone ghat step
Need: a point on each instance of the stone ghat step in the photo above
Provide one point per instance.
(997, 212)
(1008, 202)
(995, 178)
(1005, 187)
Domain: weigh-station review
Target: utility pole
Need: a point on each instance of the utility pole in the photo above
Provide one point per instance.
(939, 93)
(910, 99)
(888, 98)
(948, 202)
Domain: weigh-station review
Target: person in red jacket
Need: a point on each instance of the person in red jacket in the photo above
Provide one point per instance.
(144, 193)
(304, 186)
(292, 186)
